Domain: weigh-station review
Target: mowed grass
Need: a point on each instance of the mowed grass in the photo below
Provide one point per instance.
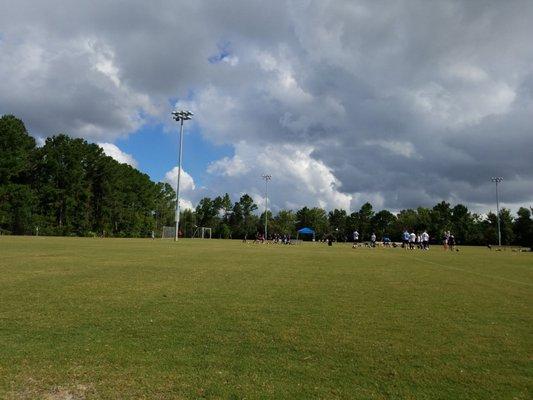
(213, 319)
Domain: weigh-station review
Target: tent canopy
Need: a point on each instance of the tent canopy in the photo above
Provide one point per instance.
(306, 231)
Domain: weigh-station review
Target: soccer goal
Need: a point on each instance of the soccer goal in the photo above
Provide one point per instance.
(168, 232)
(202, 232)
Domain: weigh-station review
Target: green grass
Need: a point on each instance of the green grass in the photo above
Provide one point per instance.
(143, 319)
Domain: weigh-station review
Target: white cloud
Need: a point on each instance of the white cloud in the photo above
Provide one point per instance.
(40, 141)
(405, 149)
(113, 151)
(231, 60)
(460, 106)
(297, 178)
(467, 72)
(230, 167)
(78, 80)
(187, 186)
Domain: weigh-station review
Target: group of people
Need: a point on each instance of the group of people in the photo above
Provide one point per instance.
(274, 239)
(281, 239)
(449, 241)
(373, 240)
(410, 240)
(413, 240)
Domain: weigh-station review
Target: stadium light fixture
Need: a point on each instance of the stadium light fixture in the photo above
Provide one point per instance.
(179, 116)
(266, 178)
(496, 180)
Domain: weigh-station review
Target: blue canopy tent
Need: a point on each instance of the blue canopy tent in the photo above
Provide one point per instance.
(305, 231)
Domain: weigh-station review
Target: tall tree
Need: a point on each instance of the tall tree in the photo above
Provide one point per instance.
(383, 223)
(206, 212)
(243, 221)
(164, 210)
(16, 195)
(188, 222)
(523, 228)
(62, 182)
(314, 218)
(406, 219)
(441, 217)
(338, 222)
(16, 148)
(224, 206)
(462, 223)
(363, 220)
(285, 222)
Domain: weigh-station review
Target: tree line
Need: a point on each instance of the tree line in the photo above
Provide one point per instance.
(239, 220)
(70, 187)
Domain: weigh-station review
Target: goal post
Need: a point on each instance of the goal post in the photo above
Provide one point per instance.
(168, 232)
(202, 232)
(205, 232)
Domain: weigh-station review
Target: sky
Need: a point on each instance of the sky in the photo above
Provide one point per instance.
(401, 103)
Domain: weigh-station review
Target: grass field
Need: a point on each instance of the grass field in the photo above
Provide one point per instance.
(143, 319)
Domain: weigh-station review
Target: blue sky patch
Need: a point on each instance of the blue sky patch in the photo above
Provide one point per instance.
(156, 151)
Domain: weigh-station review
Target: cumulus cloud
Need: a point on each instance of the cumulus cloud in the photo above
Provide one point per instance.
(297, 178)
(113, 151)
(401, 103)
(68, 86)
(188, 193)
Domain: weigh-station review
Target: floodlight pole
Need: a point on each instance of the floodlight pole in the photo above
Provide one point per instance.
(497, 180)
(266, 178)
(179, 116)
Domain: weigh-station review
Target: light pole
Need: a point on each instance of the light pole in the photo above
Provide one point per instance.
(497, 180)
(180, 116)
(266, 178)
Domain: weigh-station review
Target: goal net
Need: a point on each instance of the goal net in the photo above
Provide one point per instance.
(202, 232)
(168, 232)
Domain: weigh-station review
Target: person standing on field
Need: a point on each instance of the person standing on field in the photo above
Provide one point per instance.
(355, 238)
(425, 240)
(405, 238)
(412, 240)
(445, 240)
(451, 242)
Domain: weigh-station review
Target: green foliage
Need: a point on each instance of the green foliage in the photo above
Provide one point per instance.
(363, 221)
(244, 221)
(338, 222)
(506, 223)
(188, 222)
(383, 223)
(285, 223)
(523, 227)
(16, 197)
(314, 218)
(70, 187)
(17, 203)
(16, 147)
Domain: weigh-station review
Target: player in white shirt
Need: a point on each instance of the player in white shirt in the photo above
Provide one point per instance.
(355, 238)
(412, 240)
(425, 240)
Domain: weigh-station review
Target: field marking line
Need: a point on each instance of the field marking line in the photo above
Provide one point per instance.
(472, 272)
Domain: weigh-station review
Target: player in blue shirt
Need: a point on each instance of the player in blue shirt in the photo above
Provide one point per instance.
(405, 241)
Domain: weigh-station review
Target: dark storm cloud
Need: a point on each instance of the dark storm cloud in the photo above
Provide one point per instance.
(407, 103)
